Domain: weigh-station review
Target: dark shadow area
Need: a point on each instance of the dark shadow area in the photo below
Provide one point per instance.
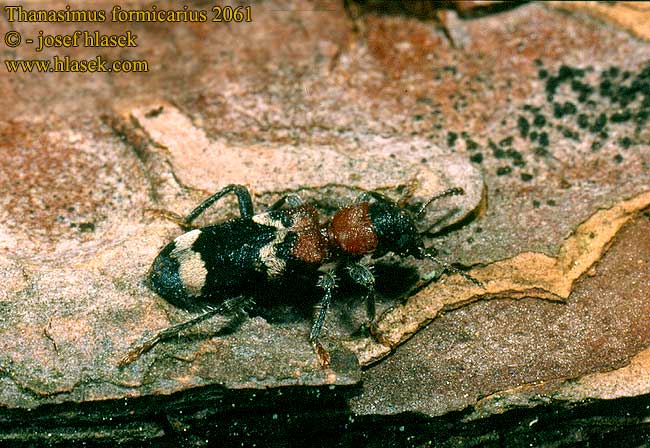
(190, 418)
(294, 301)
(302, 416)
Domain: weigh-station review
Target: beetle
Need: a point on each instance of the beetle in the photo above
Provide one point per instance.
(218, 268)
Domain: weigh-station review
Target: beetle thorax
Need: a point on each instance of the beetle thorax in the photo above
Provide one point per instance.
(351, 230)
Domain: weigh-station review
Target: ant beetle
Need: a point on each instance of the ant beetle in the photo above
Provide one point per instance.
(218, 268)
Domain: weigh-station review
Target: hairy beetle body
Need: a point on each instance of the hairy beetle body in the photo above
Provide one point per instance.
(204, 266)
(212, 268)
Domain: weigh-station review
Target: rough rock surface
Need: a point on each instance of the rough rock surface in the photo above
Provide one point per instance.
(540, 115)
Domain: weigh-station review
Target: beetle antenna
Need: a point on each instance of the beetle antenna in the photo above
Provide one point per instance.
(443, 194)
(451, 268)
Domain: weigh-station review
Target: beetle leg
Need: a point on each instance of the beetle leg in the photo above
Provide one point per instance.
(229, 306)
(243, 197)
(171, 216)
(362, 275)
(327, 282)
(292, 199)
(380, 197)
(448, 267)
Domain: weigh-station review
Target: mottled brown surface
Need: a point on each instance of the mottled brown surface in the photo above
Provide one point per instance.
(298, 100)
(485, 347)
(528, 275)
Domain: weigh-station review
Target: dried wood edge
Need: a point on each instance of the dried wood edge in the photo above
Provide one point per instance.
(634, 17)
(529, 274)
(632, 380)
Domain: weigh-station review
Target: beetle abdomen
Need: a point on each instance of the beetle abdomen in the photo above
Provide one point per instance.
(208, 265)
